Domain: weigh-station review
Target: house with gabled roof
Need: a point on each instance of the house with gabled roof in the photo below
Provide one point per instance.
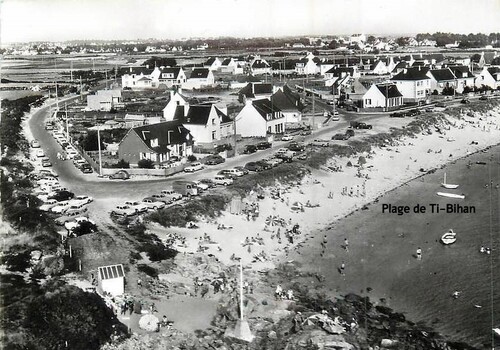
(207, 123)
(259, 118)
(255, 91)
(385, 96)
(379, 67)
(489, 76)
(307, 65)
(464, 77)
(413, 83)
(199, 78)
(104, 100)
(156, 142)
(176, 99)
(260, 66)
(171, 76)
(229, 65)
(441, 79)
(132, 77)
(289, 103)
(212, 63)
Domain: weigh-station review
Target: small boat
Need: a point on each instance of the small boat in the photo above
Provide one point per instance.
(496, 331)
(451, 195)
(449, 237)
(446, 185)
(481, 163)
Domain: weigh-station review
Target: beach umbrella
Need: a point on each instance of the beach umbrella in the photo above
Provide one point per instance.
(149, 322)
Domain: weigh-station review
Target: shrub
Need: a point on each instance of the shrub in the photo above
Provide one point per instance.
(146, 164)
(148, 270)
(121, 164)
(192, 158)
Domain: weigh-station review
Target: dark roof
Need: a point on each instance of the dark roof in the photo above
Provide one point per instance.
(412, 74)
(265, 107)
(178, 134)
(338, 70)
(495, 72)
(285, 99)
(260, 64)
(247, 78)
(200, 73)
(419, 63)
(226, 61)
(442, 74)
(372, 67)
(111, 271)
(253, 89)
(137, 70)
(210, 61)
(462, 72)
(198, 114)
(223, 116)
(289, 64)
(389, 91)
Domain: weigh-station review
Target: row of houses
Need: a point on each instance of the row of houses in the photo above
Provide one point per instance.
(185, 125)
(166, 77)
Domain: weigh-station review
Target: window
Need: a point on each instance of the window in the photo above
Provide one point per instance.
(213, 121)
(213, 135)
(368, 101)
(269, 129)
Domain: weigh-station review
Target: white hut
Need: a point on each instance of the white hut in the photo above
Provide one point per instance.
(111, 279)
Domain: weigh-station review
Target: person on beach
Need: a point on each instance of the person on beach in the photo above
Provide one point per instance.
(419, 253)
(342, 268)
(278, 292)
(482, 249)
(346, 245)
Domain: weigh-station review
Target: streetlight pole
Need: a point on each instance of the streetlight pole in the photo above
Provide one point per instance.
(99, 148)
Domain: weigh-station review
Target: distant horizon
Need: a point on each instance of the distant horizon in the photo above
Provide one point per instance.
(24, 21)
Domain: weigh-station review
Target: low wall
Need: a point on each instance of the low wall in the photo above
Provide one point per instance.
(149, 172)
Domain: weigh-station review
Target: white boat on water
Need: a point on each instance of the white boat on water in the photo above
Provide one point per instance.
(449, 237)
(447, 185)
(451, 195)
(496, 331)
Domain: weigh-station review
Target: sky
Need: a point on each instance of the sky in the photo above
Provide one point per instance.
(61, 20)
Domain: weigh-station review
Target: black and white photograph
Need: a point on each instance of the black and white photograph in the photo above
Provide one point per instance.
(249, 174)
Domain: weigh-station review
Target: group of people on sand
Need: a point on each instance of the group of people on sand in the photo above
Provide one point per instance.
(251, 211)
(485, 250)
(354, 191)
(280, 294)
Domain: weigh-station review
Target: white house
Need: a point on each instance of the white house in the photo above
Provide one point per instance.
(130, 79)
(464, 77)
(258, 118)
(111, 279)
(382, 96)
(441, 79)
(200, 77)
(307, 65)
(171, 76)
(213, 63)
(206, 122)
(489, 76)
(379, 67)
(413, 83)
(176, 99)
(260, 66)
(104, 100)
(229, 65)
(134, 120)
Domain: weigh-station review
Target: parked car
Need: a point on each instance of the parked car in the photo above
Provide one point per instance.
(287, 137)
(441, 105)
(296, 147)
(40, 153)
(340, 137)
(83, 199)
(253, 166)
(35, 144)
(46, 163)
(61, 207)
(68, 216)
(430, 109)
(123, 210)
(222, 180)
(71, 225)
(76, 209)
(137, 206)
(161, 197)
(265, 165)
(264, 145)
(120, 175)
(208, 182)
(413, 112)
(240, 168)
(48, 205)
(234, 172)
(227, 174)
(465, 101)
(274, 161)
(191, 168)
(250, 149)
(152, 203)
(214, 160)
(186, 188)
(306, 132)
(86, 169)
(172, 194)
(360, 125)
(62, 196)
(482, 98)
(287, 156)
(201, 186)
(349, 132)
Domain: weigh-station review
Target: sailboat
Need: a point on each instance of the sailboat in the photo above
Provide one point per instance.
(449, 237)
(451, 195)
(446, 185)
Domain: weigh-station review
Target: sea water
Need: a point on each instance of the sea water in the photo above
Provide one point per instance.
(382, 246)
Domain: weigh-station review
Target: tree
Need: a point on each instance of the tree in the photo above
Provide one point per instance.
(146, 164)
(89, 142)
(371, 39)
(122, 164)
